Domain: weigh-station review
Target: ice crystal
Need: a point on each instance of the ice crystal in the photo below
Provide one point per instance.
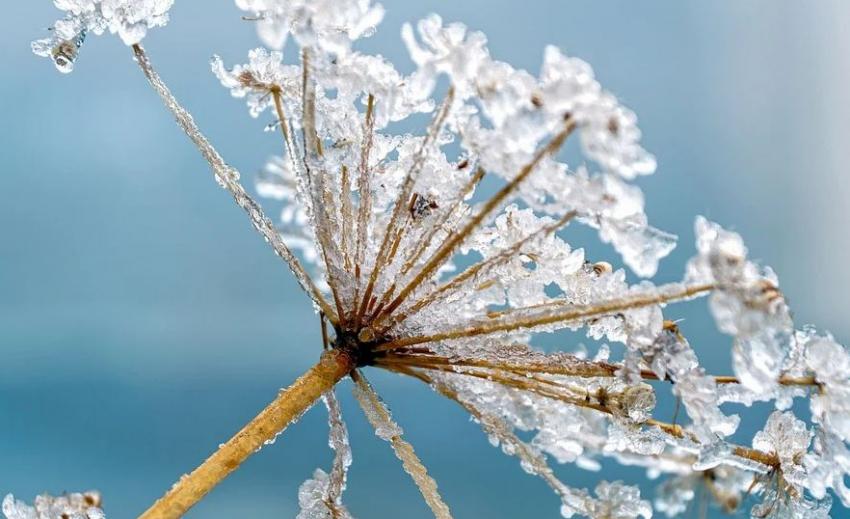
(321, 496)
(830, 363)
(312, 498)
(66, 506)
(421, 271)
(725, 484)
(788, 438)
(618, 501)
(130, 19)
(331, 24)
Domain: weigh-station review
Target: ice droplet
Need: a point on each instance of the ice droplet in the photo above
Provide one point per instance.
(62, 51)
(712, 455)
(65, 52)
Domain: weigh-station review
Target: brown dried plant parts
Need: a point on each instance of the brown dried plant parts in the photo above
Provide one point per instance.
(365, 328)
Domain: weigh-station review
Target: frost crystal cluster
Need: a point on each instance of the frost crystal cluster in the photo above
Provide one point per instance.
(440, 255)
(130, 19)
(66, 506)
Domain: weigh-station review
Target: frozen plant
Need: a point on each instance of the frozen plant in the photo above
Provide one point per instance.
(373, 225)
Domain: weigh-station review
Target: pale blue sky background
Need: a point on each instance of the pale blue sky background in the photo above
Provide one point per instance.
(142, 321)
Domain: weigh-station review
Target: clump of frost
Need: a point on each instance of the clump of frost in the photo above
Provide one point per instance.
(313, 499)
(332, 24)
(789, 438)
(130, 19)
(618, 501)
(746, 304)
(66, 506)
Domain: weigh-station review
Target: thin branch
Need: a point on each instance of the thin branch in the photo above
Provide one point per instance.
(228, 178)
(338, 440)
(321, 197)
(472, 273)
(562, 365)
(535, 387)
(532, 460)
(380, 418)
(517, 319)
(567, 365)
(454, 241)
(347, 217)
(403, 196)
(288, 142)
(326, 344)
(364, 208)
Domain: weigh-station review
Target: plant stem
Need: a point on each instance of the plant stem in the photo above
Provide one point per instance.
(228, 178)
(517, 318)
(285, 409)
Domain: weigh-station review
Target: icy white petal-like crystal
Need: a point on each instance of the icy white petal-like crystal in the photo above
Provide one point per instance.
(312, 498)
(746, 304)
(618, 501)
(66, 506)
(330, 24)
(830, 364)
(130, 19)
(789, 439)
(450, 50)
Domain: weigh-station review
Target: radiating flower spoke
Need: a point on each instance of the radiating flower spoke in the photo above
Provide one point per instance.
(386, 429)
(228, 178)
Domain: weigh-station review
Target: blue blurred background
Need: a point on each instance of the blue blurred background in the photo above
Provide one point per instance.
(142, 322)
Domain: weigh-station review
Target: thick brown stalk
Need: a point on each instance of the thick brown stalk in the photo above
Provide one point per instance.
(286, 408)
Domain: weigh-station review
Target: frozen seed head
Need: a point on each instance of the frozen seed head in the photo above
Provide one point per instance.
(384, 218)
(440, 254)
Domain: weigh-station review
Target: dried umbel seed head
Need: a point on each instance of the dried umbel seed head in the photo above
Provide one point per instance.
(65, 506)
(392, 291)
(248, 80)
(729, 502)
(64, 54)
